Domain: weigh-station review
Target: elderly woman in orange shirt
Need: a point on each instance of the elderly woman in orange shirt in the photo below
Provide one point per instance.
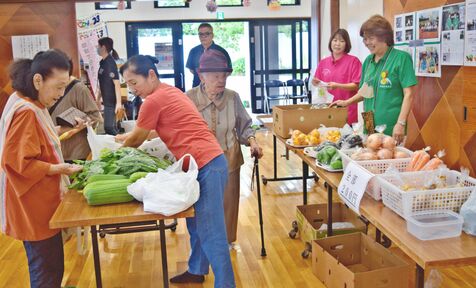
(33, 173)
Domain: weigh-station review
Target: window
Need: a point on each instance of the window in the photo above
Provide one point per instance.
(289, 2)
(106, 5)
(170, 4)
(225, 3)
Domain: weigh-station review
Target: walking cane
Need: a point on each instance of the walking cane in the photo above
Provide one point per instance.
(258, 189)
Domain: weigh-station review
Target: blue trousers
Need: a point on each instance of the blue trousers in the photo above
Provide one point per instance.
(207, 229)
(110, 124)
(45, 262)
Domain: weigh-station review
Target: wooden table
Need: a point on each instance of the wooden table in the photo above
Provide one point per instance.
(449, 252)
(458, 251)
(75, 212)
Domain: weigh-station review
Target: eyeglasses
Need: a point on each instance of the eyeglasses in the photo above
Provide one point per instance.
(205, 34)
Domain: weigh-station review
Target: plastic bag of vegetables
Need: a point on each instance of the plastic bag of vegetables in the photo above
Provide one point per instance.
(169, 191)
(468, 210)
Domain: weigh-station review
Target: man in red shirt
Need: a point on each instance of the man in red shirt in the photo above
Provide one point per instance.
(169, 112)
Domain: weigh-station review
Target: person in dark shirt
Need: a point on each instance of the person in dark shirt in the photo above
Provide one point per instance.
(110, 88)
(205, 33)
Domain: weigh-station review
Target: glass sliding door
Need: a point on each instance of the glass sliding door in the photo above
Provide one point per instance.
(162, 40)
(279, 50)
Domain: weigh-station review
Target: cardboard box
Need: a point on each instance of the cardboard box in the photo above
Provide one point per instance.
(311, 217)
(303, 118)
(357, 261)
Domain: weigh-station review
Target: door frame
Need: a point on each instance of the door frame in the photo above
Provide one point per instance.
(177, 40)
(294, 71)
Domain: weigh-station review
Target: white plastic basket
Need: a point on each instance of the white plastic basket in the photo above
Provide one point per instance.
(406, 203)
(376, 167)
(346, 153)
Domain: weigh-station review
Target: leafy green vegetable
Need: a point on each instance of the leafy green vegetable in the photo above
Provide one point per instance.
(124, 161)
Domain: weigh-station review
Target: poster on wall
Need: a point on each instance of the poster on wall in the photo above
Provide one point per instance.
(408, 49)
(165, 54)
(470, 34)
(428, 60)
(404, 28)
(90, 29)
(27, 46)
(428, 24)
(452, 35)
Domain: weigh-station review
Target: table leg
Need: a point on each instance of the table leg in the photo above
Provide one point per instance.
(420, 277)
(163, 251)
(275, 167)
(97, 263)
(305, 173)
(329, 210)
(275, 160)
(378, 236)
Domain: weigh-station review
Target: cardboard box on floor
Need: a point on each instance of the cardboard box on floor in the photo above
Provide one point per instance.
(311, 217)
(303, 118)
(357, 261)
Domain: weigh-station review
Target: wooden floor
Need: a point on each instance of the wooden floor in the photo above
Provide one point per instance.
(133, 260)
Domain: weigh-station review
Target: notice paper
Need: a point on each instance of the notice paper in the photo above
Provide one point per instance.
(470, 34)
(353, 185)
(27, 46)
(452, 36)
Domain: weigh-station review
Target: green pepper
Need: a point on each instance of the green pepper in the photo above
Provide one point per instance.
(331, 151)
(336, 164)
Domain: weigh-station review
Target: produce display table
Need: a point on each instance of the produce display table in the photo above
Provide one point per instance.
(449, 252)
(267, 121)
(74, 211)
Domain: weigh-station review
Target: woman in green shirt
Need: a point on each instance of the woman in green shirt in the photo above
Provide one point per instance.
(388, 77)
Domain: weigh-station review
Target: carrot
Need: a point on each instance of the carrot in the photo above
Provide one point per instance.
(422, 162)
(434, 163)
(417, 158)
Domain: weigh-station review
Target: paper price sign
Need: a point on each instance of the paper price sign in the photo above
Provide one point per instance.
(353, 184)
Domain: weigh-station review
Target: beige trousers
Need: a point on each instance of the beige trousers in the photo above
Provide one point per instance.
(231, 203)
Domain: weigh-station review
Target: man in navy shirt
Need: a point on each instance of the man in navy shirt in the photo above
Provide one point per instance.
(205, 33)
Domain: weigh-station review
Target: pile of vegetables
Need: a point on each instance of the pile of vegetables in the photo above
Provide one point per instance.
(328, 155)
(379, 147)
(421, 160)
(125, 161)
(350, 141)
(302, 139)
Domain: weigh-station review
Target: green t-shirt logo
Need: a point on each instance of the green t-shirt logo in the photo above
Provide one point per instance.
(384, 81)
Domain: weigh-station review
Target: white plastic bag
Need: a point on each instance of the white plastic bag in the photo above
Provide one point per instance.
(319, 93)
(169, 191)
(99, 142)
(468, 210)
(155, 147)
(434, 280)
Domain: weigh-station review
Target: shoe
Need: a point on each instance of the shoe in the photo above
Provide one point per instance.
(187, 277)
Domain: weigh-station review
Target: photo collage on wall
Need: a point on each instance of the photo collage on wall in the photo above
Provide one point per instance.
(438, 36)
(470, 34)
(428, 55)
(452, 35)
(404, 33)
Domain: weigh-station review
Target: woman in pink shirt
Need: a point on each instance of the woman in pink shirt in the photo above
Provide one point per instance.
(340, 71)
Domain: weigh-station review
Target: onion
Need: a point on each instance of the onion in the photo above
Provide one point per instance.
(389, 143)
(400, 154)
(368, 156)
(374, 141)
(385, 153)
